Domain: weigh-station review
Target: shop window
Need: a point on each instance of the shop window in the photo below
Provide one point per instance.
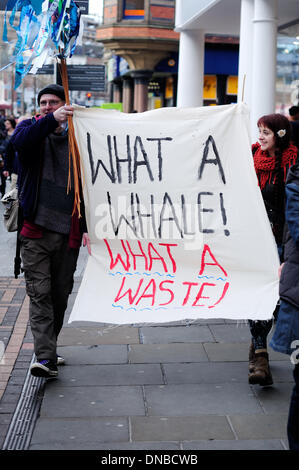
(210, 89)
(133, 9)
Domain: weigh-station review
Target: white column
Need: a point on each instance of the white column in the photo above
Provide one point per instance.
(264, 61)
(245, 52)
(191, 68)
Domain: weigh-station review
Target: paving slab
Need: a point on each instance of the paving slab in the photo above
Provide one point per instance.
(275, 399)
(178, 334)
(93, 445)
(91, 401)
(174, 352)
(95, 354)
(236, 352)
(221, 372)
(238, 332)
(196, 400)
(259, 426)
(67, 431)
(114, 374)
(180, 428)
(98, 335)
(206, 373)
(252, 444)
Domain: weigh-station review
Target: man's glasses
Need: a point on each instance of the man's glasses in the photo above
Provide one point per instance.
(50, 102)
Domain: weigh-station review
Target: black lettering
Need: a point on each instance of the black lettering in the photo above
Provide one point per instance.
(115, 225)
(200, 209)
(214, 161)
(223, 213)
(123, 160)
(146, 215)
(145, 160)
(167, 200)
(94, 172)
(160, 159)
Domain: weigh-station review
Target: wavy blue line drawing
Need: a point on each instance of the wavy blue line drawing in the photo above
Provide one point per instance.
(161, 308)
(140, 274)
(132, 308)
(213, 277)
(145, 308)
(117, 306)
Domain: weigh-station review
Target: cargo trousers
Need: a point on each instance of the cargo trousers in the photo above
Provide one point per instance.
(49, 266)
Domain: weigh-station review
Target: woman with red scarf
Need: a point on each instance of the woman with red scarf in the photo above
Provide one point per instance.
(273, 156)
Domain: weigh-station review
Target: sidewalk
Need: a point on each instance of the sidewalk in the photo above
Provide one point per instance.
(170, 387)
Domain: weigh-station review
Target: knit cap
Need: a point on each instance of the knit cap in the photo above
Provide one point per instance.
(53, 89)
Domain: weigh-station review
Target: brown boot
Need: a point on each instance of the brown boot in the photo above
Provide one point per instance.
(251, 358)
(261, 374)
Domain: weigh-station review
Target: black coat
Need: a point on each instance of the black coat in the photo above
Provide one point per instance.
(289, 281)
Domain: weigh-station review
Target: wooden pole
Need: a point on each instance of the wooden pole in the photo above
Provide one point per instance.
(74, 154)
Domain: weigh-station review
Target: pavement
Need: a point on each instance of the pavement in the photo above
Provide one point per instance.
(177, 386)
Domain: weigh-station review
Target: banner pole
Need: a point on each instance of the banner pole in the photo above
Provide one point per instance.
(74, 154)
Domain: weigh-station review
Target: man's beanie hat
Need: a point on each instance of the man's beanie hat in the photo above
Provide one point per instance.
(53, 89)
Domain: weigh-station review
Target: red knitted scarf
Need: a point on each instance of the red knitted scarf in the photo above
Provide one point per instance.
(264, 164)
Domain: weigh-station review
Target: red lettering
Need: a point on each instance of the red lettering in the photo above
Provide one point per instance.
(152, 295)
(189, 284)
(135, 255)
(168, 245)
(200, 296)
(222, 295)
(167, 290)
(128, 292)
(158, 257)
(118, 258)
(204, 263)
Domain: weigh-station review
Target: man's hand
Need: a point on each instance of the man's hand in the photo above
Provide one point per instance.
(86, 242)
(6, 173)
(61, 114)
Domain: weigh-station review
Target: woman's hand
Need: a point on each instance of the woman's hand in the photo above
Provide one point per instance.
(280, 269)
(86, 242)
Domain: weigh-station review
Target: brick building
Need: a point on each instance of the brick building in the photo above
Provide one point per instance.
(143, 51)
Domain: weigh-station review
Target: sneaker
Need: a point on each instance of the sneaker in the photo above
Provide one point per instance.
(60, 361)
(44, 368)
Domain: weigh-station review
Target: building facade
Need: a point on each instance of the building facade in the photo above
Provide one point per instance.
(257, 24)
(142, 51)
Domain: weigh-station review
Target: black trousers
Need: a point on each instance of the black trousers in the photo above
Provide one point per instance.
(49, 265)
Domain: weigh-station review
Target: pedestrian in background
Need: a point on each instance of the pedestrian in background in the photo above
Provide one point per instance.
(273, 156)
(10, 125)
(286, 335)
(10, 169)
(294, 120)
(50, 234)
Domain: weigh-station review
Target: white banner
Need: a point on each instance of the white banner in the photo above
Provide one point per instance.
(176, 220)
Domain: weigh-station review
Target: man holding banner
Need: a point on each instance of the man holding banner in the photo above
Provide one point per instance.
(50, 232)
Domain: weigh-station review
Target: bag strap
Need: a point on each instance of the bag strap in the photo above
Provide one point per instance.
(17, 260)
